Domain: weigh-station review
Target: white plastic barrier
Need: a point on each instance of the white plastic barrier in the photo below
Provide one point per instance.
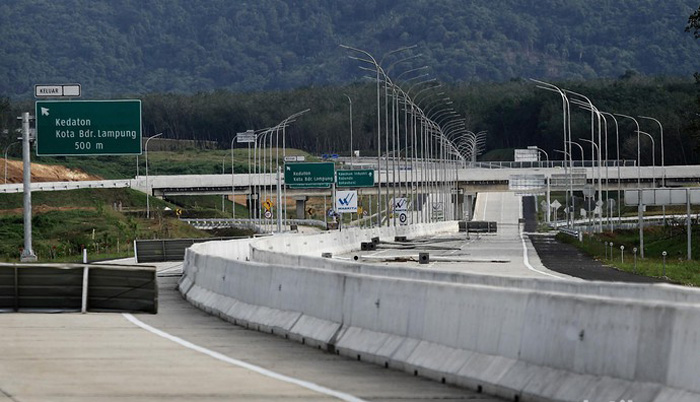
(538, 345)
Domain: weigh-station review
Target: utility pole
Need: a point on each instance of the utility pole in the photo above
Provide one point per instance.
(28, 253)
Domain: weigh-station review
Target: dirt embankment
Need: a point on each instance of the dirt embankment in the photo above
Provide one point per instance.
(43, 173)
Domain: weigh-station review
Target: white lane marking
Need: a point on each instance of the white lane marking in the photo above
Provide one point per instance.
(526, 259)
(281, 377)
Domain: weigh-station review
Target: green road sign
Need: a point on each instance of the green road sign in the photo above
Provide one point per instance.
(309, 174)
(355, 178)
(111, 127)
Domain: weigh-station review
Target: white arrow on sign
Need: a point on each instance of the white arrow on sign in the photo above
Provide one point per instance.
(44, 111)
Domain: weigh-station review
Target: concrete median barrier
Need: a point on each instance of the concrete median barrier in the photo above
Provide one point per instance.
(538, 340)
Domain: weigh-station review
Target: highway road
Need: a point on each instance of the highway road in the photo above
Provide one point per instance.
(183, 354)
(506, 253)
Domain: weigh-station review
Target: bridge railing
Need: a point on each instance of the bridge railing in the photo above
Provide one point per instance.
(549, 164)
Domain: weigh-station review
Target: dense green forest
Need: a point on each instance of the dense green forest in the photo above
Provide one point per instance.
(515, 114)
(123, 47)
(206, 70)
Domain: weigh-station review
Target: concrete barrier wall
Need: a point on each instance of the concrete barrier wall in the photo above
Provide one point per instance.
(536, 344)
(347, 240)
(659, 291)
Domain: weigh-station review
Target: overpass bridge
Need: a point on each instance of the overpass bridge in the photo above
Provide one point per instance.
(469, 180)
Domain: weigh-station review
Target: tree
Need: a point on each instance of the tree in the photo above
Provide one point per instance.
(694, 27)
(694, 24)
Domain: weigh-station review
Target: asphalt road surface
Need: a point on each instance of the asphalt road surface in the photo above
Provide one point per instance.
(364, 381)
(184, 354)
(567, 259)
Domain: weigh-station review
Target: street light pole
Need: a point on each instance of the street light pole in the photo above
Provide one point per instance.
(223, 172)
(569, 212)
(540, 150)
(580, 147)
(619, 180)
(233, 187)
(566, 118)
(663, 165)
(640, 206)
(639, 160)
(600, 216)
(352, 152)
(148, 189)
(653, 158)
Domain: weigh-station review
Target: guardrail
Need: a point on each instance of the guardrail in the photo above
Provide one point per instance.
(161, 250)
(204, 223)
(65, 185)
(571, 232)
(78, 287)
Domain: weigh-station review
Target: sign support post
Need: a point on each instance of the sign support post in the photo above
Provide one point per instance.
(28, 253)
(689, 227)
(279, 200)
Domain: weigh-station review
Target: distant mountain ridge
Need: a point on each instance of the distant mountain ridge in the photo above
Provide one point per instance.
(122, 47)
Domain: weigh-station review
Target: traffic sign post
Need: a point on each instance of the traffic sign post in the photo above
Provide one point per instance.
(355, 178)
(110, 127)
(309, 174)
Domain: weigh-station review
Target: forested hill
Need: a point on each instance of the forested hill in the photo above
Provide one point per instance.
(115, 47)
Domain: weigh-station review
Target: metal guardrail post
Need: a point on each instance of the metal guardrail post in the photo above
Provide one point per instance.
(83, 305)
(16, 289)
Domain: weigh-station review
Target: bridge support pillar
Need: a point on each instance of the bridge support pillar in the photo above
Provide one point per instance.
(468, 206)
(458, 204)
(253, 205)
(301, 206)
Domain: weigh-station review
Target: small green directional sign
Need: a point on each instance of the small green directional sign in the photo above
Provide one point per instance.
(309, 174)
(96, 127)
(355, 178)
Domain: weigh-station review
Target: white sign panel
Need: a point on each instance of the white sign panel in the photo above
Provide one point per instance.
(294, 158)
(663, 196)
(57, 91)
(526, 155)
(524, 182)
(248, 136)
(400, 204)
(346, 201)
